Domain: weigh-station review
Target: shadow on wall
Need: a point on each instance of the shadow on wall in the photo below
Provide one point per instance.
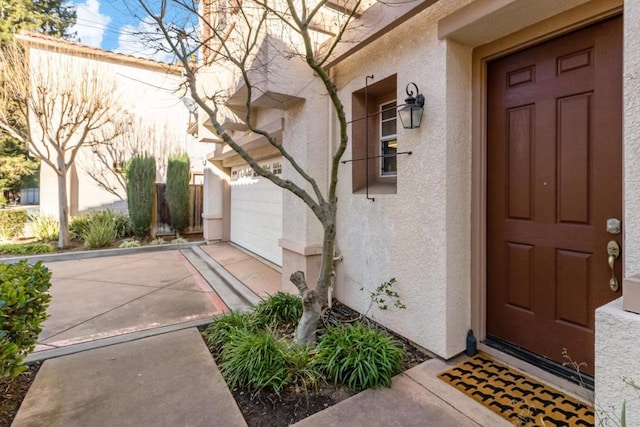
(118, 206)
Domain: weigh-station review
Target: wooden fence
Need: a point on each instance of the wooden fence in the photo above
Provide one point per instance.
(162, 217)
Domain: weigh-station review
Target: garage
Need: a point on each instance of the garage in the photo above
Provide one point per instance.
(256, 211)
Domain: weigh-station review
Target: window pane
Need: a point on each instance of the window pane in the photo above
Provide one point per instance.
(388, 111)
(388, 162)
(389, 128)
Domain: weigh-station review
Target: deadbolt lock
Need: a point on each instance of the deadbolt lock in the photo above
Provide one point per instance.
(613, 250)
(613, 226)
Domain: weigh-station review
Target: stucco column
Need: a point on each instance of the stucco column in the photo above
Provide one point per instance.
(617, 331)
(308, 142)
(213, 209)
(631, 138)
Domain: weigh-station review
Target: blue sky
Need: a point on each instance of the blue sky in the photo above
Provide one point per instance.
(113, 25)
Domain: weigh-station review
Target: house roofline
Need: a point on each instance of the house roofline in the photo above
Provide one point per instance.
(38, 40)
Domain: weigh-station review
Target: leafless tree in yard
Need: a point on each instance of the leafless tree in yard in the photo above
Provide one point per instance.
(66, 103)
(106, 162)
(239, 38)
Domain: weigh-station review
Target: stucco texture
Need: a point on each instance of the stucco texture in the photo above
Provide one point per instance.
(420, 235)
(617, 364)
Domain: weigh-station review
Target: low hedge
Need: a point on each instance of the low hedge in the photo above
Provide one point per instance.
(26, 249)
(24, 299)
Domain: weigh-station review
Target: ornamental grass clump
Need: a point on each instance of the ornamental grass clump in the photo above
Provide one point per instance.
(45, 228)
(222, 327)
(100, 232)
(280, 309)
(24, 299)
(358, 356)
(260, 360)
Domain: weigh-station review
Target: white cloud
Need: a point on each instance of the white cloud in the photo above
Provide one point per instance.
(91, 24)
(144, 41)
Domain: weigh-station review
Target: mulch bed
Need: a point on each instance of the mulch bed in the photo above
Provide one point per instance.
(262, 410)
(266, 409)
(13, 392)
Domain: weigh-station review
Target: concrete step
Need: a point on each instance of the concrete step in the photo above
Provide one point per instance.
(233, 292)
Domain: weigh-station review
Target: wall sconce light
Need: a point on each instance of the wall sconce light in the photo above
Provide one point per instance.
(411, 113)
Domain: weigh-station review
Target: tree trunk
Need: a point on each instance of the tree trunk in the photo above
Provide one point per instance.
(312, 310)
(314, 300)
(63, 204)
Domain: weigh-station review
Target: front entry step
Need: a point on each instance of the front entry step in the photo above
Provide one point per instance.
(233, 292)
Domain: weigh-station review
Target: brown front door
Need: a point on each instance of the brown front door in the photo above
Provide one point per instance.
(554, 177)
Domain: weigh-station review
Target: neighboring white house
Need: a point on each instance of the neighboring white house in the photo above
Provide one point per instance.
(500, 219)
(149, 97)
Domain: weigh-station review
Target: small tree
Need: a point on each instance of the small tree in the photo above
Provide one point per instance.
(141, 177)
(178, 174)
(62, 114)
(240, 38)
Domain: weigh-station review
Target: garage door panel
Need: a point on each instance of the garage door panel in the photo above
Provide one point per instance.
(256, 213)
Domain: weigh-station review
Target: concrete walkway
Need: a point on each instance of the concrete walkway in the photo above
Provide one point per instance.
(98, 298)
(137, 362)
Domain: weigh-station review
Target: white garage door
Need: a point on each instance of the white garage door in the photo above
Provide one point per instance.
(256, 211)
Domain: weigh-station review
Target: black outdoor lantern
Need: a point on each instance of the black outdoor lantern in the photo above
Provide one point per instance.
(411, 113)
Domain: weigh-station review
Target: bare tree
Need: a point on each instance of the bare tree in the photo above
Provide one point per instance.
(104, 165)
(237, 36)
(67, 104)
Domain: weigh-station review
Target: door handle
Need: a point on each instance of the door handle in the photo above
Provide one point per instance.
(613, 250)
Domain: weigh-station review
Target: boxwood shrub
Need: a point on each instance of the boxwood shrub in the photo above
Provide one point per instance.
(24, 299)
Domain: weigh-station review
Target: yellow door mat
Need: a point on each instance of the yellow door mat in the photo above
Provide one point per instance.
(515, 396)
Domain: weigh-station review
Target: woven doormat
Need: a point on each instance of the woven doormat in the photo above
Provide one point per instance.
(515, 396)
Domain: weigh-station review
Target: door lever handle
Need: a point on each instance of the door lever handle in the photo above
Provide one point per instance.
(613, 250)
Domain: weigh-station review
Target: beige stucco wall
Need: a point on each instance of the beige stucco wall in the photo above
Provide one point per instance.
(631, 153)
(421, 235)
(149, 95)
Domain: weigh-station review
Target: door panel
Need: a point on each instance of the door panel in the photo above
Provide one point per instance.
(554, 156)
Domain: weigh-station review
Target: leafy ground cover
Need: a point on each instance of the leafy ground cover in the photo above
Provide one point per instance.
(266, 406)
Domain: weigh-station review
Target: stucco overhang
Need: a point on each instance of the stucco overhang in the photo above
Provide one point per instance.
(267, 97)
(271, 88)
(378, 19)
(484, 21)
(250, 141)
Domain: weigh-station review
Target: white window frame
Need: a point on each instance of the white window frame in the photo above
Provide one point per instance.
(391, 105)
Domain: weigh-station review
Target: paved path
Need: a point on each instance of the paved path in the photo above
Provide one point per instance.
(98, 298)
(167, 380)
(137, 364)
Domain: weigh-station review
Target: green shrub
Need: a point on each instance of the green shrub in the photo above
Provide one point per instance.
(79, 225)
(179, 240)
(12, 223)
(281, 309)
(132, 243)
(26, 249)
(259, 360)
(24, 299)
(158, 241)
(140, 176)
(45, 228)
(177, 193)
(223, 326)
(358, 356)
(100, 232)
